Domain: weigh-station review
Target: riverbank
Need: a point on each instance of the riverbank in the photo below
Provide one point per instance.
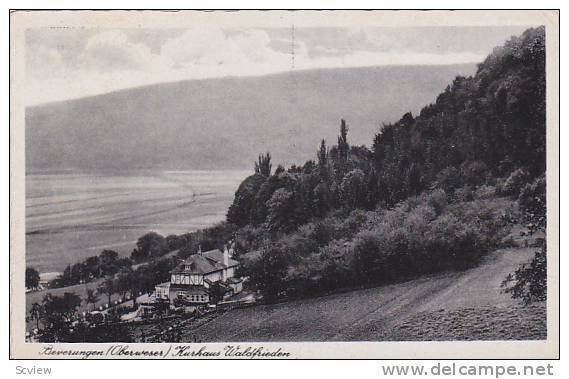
(71, 216)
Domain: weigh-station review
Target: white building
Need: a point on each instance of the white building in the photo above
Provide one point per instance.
(191, 281)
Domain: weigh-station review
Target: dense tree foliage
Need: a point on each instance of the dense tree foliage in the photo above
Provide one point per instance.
(105, 264)
(108, 287)
(269, 273)
(487, 126)
(263, 166)
(32, 278)
(56, 314)
(150, 245)
(239, 212)
(528, 282)
(493, 121)
(92, 297)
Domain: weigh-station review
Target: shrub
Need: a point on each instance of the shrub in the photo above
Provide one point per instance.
(249, 238)
(353, 190)
(485, 192)
(529, 282)
(414, 227)
(532, 200)
(450, 243)
(449, 179)
(438, 200)
(474, 173)
(334, 275)
(323, 232)
(269, 273)
(399, 252)
(489, 220)
(298, 245)
(174, 242)
(368, 259)
(338, 249)
(337, 227)
(32, 277)
(515, 182)
(280, 211)
(350, 225)
(464, 194)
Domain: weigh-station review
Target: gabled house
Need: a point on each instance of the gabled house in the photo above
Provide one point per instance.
(193, 280)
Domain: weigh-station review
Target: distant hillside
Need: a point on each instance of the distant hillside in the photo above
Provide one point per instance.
(226, 123)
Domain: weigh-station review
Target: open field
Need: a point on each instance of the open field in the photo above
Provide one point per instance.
(78, 289)
(71, 216)
(484, 323)
(81, 291)
(459, 305)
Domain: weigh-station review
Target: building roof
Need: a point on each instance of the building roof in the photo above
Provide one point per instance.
(163, 285)
(204, 263)
(217, 255)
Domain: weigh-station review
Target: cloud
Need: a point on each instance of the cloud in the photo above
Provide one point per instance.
(193, 47)
(59, 67)
(213, 52)
(111, 50)
(42, 59)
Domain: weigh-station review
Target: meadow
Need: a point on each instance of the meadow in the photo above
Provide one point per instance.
(73, 215)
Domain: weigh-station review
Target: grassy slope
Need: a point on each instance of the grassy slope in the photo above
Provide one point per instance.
(460, 305)
(79, 289)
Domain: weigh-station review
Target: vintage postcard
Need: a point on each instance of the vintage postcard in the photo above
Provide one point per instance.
(284, 184)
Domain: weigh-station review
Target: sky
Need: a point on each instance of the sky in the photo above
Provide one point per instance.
(66, 63)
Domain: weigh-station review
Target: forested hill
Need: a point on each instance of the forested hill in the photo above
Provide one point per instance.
(483, 126)
(435, 192)
(494, 122)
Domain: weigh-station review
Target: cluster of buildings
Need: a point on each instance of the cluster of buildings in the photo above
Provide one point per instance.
(200, 279)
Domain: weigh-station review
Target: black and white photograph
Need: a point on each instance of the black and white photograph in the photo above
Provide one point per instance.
(247, 177)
